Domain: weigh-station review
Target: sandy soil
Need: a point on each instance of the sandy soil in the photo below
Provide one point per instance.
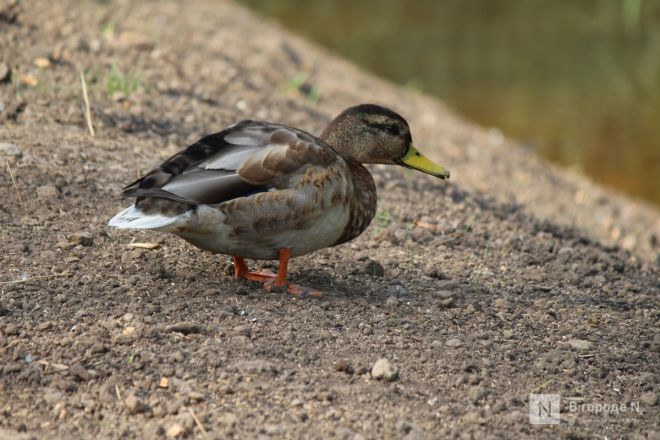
(513, 278)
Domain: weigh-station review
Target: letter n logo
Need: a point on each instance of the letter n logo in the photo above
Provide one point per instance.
(544, 409)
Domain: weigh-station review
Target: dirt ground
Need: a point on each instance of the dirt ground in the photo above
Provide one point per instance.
(512, 278)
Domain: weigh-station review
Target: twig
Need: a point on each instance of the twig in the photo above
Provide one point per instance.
(543, 385)
(197, 422)
(13, 181)
(450, 239)
(35, 278)
(88, 111)
(143, 245)
(117, 392)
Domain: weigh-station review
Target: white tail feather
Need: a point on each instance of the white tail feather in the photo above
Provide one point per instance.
(134, 218)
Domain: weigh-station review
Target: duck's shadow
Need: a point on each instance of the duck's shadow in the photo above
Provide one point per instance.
(332, 286)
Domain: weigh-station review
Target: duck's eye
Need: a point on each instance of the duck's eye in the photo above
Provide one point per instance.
(393, 130)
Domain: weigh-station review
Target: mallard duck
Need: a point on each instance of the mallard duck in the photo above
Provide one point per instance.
(266, 191)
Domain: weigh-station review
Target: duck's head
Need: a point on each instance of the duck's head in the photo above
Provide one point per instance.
(372, 134)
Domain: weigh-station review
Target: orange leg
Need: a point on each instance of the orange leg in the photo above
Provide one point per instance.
(280, 280)
(241, 271)
(271, 280)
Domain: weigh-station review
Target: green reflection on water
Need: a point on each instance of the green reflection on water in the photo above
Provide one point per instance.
(577, 80)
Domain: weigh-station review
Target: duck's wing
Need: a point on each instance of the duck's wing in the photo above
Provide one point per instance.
(244, 159)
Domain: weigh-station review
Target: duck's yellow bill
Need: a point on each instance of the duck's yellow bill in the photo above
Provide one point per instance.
(416, 160)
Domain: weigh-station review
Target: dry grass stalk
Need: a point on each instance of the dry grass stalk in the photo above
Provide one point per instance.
(144, 245)
(13, 181)
(197, 422)
(41, 277)
(88, 110)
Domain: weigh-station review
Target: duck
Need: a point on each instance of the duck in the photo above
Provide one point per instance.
(267, 191)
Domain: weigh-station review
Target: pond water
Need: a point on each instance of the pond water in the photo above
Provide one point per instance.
(578, 81)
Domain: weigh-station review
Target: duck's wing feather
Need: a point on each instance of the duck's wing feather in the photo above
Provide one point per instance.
(246, 158)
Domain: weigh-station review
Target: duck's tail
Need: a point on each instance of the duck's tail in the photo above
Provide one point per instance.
(133, 218)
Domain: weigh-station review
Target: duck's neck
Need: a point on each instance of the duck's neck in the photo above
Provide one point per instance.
(362, 202)
(342, 136)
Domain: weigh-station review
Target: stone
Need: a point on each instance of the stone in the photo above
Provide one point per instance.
(196, 396)
(383, 369)
(344, 366)
(374, 268)
(454, 343)
(5, 72)
(257, 366)
(501, 304)
(175, 431)
(391, 301)
(82, 238)
(447, 302)
(477, 393)
(580, 344)
(41, 62)
(10, 150)
(133, 404)
(244, 330)
(649, 399)
(185, 328)
(47, 192)
(444, 294)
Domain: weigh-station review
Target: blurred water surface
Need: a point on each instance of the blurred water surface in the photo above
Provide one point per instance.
(579, 81)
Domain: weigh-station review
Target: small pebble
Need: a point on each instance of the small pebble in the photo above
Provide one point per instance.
(367, 330)
(392, 301)
(649, 399)
(184, 327)
(11, 330)
(374, 268)
(5, 72)
(444, 303)
(383, 369)
(477, 393)
(244, 330)
(447, 284)
(444, 294)
(133, 404)
(580, 344)
(501, 304)
(8, 149)
(454, 343)
(82, 238)
(176, 430)
(344, 366)
(42, 62)
(196, 396)
(47, 192)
